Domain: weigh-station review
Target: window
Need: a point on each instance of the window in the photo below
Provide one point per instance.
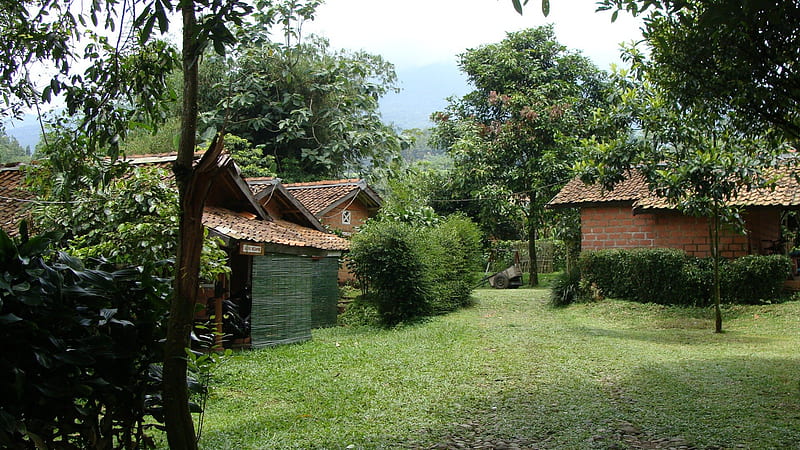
(345, 217)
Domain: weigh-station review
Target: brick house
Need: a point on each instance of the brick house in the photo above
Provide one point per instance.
(629, 216)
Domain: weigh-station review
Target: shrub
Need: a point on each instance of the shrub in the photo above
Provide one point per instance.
(669, 276)
(608, 270)
(409, 271)
(387, 259)
(566, 288)
(80, 344)
(752, 279)
(654, 275)
(360, 312)
(453, 259)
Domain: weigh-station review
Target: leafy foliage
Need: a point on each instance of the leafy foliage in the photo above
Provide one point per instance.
(131, 220)
(566, 288)
(727, 54)
(512, 139)
(388, 261)
(411, 270)
(453, 259)
(83, 343)
(314, 109)
(250, 159)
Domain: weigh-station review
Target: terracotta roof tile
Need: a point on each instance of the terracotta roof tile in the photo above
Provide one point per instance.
(784, 192)
(318, 195)
(14, 202)
(577, 192)
(279, 232)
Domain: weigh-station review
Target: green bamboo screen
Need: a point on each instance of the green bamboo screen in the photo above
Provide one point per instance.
(282, 293)
(325, 291)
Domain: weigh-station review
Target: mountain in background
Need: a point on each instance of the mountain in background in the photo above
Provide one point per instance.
(26, 131)
(424, 90)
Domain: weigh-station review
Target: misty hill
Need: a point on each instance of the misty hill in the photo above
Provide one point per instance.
(424, 90)
(27, 131)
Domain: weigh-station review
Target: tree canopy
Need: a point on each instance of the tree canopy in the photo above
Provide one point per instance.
(737, 56)
(313, 109)
(694, 156)
(513, 138)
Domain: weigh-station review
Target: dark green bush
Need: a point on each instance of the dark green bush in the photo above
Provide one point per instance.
(360, 312)
(410, 271)
(752, 279)
(566, 288)
(653, 275)
(453, 259)
(608, 270)
(669, 276)
(387, 259)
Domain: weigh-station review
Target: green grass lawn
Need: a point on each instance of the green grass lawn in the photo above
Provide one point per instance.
(556, 378)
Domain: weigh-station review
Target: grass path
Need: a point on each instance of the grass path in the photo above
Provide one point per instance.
(589, 376)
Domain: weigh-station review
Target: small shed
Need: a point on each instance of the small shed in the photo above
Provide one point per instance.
(283, 274)
(281, 260)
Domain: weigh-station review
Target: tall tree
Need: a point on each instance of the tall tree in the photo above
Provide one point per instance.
(311, 108)
(513, 138)
(740, 55)
(693, 157)
(124, 83)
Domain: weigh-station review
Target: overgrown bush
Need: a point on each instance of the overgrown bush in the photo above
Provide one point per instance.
(453, 259)
(409, 271)
(669, 276)
(751, 279)
(360, 312)
(79, 346)
(387, 259)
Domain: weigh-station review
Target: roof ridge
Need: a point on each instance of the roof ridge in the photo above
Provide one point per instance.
(326, 183)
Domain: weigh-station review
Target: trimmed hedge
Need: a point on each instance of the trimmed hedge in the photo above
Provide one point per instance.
(669, 276)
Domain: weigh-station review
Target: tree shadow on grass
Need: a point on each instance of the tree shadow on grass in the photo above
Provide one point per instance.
(695, 337)
(752, 402)
(725, 403)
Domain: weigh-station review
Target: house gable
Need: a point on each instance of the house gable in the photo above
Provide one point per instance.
(339, 204)
(273, 196)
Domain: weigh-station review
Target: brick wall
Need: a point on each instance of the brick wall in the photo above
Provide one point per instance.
(615, 226)
(358, 215)
(333, 218)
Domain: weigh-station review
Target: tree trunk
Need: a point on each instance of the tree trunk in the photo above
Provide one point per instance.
(533, 266)
(715, 254)
(178, 418)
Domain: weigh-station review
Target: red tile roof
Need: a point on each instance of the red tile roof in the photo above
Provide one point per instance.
(14, 201)
(785, 192)
(279, 232)
(319, 196)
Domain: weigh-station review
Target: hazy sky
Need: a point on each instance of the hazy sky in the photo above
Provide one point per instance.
(411, 33)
